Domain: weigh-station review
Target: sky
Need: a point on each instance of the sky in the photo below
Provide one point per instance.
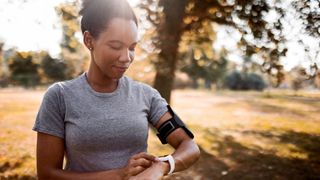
(34, 25)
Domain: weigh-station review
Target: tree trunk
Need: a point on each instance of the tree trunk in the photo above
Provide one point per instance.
(164, 80)
(207, 84)
(195, 84)
(1, 59)
(169, 32)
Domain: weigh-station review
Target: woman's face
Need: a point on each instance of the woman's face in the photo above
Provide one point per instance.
(113, 50)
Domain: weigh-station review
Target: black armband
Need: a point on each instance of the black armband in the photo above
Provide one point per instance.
(169, 126)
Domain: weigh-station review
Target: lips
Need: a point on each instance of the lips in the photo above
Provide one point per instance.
(121, 68)
(124, 67)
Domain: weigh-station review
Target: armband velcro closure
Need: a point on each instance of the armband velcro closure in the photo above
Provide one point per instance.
(165, 129)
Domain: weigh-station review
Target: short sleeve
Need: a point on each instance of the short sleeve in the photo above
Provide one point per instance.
(157, 105)
(50, 118)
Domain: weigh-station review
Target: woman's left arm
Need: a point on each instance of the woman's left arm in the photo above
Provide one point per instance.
(186, 152)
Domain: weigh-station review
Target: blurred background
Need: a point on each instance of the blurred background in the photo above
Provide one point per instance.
(242, 74)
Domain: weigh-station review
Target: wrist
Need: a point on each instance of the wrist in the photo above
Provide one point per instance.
(165, 167)
(169, 160)
(122, 174)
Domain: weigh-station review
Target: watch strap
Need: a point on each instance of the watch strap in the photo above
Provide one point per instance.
(170, 159)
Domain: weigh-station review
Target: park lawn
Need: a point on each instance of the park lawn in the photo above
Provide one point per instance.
(242, 135)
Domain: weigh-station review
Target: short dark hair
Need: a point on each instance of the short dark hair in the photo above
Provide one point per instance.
(96, 14)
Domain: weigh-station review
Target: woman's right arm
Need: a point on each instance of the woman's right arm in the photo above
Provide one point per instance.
(50, 153)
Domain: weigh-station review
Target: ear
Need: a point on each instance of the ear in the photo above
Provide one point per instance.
(88, 40)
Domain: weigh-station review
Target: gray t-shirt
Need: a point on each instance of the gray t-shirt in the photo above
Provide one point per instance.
(101, 130)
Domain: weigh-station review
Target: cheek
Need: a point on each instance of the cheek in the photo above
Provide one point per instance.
(107, 56)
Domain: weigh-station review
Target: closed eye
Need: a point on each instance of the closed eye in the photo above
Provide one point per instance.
(115, 45)
(133, 47)
(118, 45)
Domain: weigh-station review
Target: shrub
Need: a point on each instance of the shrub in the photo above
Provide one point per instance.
(242, 81)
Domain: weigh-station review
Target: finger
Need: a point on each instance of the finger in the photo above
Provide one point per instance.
(142, 162)
(137, 155)
(146, 156)
(141, 154)
(136, 170)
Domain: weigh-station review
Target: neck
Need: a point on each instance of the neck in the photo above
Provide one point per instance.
(100, 82)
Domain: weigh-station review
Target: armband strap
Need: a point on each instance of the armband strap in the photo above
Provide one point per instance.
(169, 126)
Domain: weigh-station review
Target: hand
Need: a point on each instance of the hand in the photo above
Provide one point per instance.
(137, 163)
(154, 172)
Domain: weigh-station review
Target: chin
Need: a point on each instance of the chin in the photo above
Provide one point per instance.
(117, 76)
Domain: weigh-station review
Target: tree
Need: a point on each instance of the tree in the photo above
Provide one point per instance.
(255, 82)
(298, 77)
(173, 19)
(308, 11)
(73, 53)
(202, 62)
(244, 81)
(200, 66)
(54, 69)
(168, 23)
(1, 58)
(317, 80)
(24, 70)
(3, 75)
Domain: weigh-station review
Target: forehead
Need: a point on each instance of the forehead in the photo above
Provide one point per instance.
(121, 30)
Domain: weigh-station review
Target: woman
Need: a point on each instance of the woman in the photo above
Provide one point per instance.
(99, 120)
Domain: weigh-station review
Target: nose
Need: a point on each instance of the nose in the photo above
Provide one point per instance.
(126, 56)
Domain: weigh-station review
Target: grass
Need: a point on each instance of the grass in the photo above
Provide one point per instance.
(242, 135)
(17, 150)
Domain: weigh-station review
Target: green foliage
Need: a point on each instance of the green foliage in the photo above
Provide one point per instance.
(233, 81)
(74, 55)
(308, 11)
(54, 69)
(1, 58)
(24, 71)
(69, 20)
(242, 81)
(4, 81)
(175, 19)
(254, 81)
(3, 76)
(204, 68)
(202, 62)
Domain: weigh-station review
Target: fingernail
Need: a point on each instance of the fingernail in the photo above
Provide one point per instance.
(157, 159)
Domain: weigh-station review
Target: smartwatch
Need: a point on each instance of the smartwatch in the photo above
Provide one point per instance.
(170, 159)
